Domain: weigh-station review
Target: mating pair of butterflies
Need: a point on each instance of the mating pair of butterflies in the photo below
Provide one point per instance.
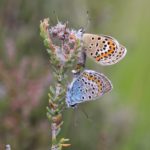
(91, 85)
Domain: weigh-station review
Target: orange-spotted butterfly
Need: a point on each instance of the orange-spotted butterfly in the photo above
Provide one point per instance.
(103, 49)
(89, 85)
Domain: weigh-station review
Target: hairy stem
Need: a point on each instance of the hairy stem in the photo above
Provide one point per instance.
(63, 59)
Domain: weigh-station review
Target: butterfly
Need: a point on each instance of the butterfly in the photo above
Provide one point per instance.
(87, 86)
(103, 49)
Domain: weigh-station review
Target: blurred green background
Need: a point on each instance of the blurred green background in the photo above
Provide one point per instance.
(119, 121)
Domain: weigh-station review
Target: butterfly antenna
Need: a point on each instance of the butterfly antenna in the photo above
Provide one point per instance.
(54, 12)
(84, 28)
(88, 21)
(88, 118)
(75, 119)
(85, 114)
(51, 21)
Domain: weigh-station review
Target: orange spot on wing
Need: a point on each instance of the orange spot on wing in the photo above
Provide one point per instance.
(110, 51)
(98, 58)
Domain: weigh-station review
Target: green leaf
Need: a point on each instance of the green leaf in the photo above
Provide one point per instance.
(51, 90)
(49, 116)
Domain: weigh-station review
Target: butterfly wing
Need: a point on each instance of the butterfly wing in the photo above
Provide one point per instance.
(103, 49)
(88, 86)
(116, 57)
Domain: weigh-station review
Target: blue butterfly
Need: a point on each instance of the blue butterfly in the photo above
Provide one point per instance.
(87, 86)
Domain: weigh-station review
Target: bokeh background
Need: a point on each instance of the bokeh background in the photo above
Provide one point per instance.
(119, 121)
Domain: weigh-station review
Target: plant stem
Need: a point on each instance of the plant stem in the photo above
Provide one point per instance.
(63, 58)
(53, 130)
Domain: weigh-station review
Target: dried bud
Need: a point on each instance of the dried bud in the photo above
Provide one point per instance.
(57, 119)
(59, 31)
(53, 105)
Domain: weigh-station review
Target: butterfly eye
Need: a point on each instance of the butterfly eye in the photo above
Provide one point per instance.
(81, 30)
